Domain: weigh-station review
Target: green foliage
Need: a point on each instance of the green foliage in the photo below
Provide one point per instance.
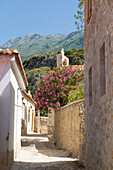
(79, 16)
(59, 52)
(68, 52)
(76, 94)
(33, 76)
(43, 113)
(73, 52)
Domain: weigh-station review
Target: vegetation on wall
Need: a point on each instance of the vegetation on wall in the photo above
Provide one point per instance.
(53, 90)
(34, 74)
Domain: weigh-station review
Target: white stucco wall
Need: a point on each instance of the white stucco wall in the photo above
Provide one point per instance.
(61, 58)
(65, 58)
(15, 120)
(10, 111)
(4, 109)
(31, 106)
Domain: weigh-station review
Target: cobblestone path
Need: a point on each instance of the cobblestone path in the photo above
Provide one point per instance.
(37, 153)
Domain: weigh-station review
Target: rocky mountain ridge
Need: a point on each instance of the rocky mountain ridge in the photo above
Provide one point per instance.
(32, 44)
(20, 40)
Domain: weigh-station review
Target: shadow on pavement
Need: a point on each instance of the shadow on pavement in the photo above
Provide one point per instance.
(63, 165)
(38, 153)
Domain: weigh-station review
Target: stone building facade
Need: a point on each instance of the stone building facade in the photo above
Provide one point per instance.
(98, 84)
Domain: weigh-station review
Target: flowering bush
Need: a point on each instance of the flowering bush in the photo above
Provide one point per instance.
(65, 62)
(76, 94)
(53, 90)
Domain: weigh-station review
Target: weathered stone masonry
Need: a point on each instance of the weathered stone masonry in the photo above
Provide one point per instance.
(99, 96)
(41, 125)
(69, 127)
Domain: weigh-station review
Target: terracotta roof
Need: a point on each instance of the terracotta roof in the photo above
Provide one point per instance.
(29, 96)
(15, 52)
(59, 54)
(78, 67)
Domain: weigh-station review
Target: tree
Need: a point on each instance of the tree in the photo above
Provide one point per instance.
(79, 16)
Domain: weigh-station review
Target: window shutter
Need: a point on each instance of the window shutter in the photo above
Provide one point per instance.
(29, 116)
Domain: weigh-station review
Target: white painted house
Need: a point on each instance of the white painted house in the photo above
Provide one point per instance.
(12, 80)
(28, 113)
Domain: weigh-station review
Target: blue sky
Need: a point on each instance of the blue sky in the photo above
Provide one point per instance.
(21, 17)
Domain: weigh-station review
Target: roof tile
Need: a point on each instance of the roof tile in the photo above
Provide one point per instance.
(11, 52)
(78, 67)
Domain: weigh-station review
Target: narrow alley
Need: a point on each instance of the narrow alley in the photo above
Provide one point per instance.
(38, 153)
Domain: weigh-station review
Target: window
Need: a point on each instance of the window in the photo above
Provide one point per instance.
(102, 71)
(90, 86)
(89, 9)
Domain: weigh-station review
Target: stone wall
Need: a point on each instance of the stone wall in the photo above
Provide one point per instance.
(36, 125)
(99, 108)
(59, 60)
(41, 124)
(69, 127)
(23, 128)
(51, 124)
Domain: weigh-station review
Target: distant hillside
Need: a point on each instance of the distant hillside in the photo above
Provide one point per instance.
(32, 44)
(37, 66)
(76, 57)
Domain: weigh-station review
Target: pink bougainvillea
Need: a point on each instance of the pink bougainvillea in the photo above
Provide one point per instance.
(53, 90)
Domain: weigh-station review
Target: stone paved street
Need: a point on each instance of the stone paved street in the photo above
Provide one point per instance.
(38, 153)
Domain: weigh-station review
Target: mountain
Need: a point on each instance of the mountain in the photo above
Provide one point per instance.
(16, 41)
(32, 44)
